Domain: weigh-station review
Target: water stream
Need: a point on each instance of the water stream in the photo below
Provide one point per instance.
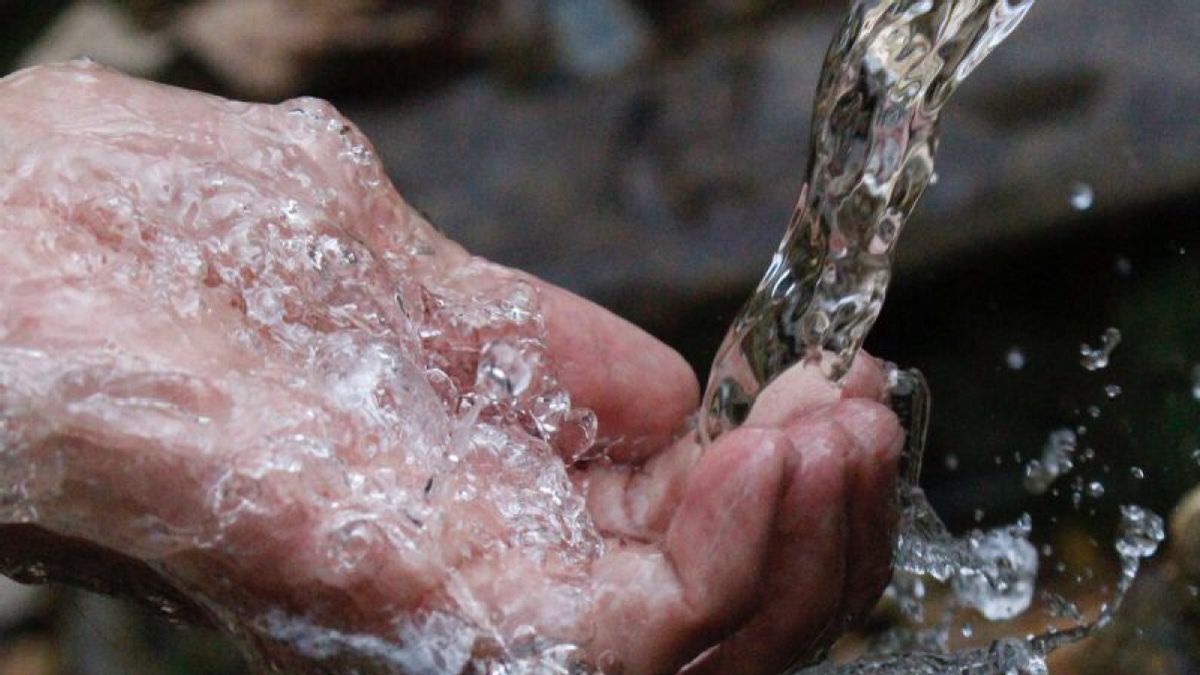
(885, 81)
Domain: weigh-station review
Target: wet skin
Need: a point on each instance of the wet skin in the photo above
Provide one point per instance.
(738, 558)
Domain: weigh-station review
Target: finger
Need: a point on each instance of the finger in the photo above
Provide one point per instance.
(656, 608)
(637, 501)
(833, 543)
(641, 389)
(806, 564)
(871, 506)
(803, 388)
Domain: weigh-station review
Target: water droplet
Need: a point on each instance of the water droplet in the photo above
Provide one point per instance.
(577, 435)
(952, 462)
(505, 370)
(1093, 411)
(353, 542)
(1002, 587)
(1137, 473)
(1055, 461)
(1123, 266)
(1140, 533)
(1061, 607)
(1015, 359)
(1082, 196)
(1112, 390)
(1196, 456)
(1097, 359)
(1196, 382)
(967, 630)
(1096, 489)
(548, 410)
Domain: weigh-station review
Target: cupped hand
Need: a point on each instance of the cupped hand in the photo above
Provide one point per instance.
(235, 364)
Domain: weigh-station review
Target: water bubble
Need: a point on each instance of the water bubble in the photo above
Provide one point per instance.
(548, 410)
(951, 462)
(1082, 196)
(505, 370)
(1097, 359)
(1015, 358)
(1137, 472)
(351, 543)
(1112, 390)
(1196, 382)
(1196, 456)
(1093, 411)
(577, 435)
(1096, 489)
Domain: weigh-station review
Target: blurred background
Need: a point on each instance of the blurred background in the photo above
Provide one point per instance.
(647, 153)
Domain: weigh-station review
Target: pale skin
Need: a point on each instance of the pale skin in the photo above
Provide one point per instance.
(737, 558)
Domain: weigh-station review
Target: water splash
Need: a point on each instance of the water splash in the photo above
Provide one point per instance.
(885, 80)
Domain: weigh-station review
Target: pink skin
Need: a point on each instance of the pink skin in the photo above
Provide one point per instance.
(736, 559)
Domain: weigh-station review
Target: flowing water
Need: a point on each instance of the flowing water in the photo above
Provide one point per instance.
(885, 81)
(886, 78)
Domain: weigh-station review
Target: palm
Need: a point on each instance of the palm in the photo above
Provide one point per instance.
(229, 350)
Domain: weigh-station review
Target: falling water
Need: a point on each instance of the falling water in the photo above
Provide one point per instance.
(885, 80)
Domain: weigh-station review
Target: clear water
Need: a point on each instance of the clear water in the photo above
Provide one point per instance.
(885, 82)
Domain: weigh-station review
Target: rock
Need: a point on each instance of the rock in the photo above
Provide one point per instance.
(678, 180)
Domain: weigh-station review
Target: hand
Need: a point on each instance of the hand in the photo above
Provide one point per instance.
(236, 366)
